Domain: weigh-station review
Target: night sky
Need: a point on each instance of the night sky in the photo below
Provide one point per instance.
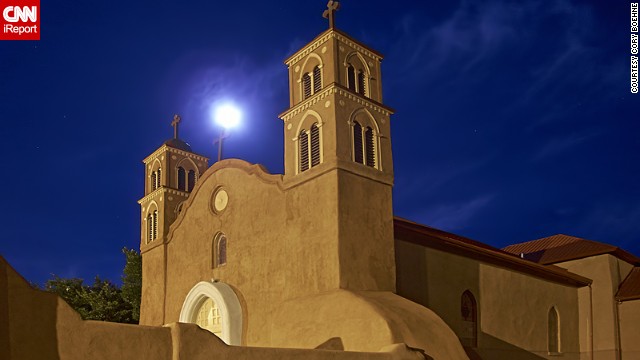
(514, 119)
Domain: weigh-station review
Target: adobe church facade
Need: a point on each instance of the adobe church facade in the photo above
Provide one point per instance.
(294, 260)
(242, 264)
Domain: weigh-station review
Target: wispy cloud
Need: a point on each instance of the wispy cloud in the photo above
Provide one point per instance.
(560, 144)
(454, 216)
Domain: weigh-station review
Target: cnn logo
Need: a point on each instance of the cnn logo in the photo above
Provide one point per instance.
(15, 13)
(20, 20)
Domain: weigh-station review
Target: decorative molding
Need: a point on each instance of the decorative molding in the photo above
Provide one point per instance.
(335, 89)
(163, 190)
(322, 38)
(165, 148)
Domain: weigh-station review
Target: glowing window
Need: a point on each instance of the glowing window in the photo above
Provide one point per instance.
(209, 317)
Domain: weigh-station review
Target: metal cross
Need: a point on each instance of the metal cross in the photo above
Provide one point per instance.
(174, 123)
(330, 13)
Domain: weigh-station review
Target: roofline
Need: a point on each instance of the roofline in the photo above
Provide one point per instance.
(627, 298)
(406, 230)
(339, 32)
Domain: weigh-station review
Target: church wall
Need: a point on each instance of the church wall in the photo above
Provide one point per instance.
(629, 312)
(604, 270)
(153, 286)
(512, 307)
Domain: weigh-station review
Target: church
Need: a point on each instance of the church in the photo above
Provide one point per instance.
(240, 263)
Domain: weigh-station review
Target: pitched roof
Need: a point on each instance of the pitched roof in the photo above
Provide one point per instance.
(559, 248)
(630, 288)
(409, 231)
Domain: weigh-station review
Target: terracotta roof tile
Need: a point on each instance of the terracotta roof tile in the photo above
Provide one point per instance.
(559, 248)
(630, 288)
(409, 231)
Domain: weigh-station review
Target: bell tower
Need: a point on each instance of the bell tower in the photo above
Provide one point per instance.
(338, 154)
(170, 174)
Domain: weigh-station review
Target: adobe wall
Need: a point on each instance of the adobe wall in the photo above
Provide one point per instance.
(512, 307)
(629, 312)
(607, 272)
(39, 325)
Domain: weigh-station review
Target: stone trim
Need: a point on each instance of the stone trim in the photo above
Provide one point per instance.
(324, 37)
(163, 190)
(165, 148)
(334, 88)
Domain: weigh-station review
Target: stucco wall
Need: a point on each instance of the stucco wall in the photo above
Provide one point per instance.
(606, 273)
(39, 325)
(630, 329)
(512, 307)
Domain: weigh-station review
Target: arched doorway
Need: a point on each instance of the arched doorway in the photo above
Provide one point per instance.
(214, 306)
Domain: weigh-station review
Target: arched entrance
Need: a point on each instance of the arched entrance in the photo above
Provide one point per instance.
(214, 306)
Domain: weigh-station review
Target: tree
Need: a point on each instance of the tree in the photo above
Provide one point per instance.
(104, 300)
(132, 281)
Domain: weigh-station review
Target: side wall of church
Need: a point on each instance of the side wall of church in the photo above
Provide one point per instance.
(512, 307)
(607, 272)
(629, 312)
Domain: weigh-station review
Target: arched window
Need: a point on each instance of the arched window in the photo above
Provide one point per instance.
(306, 85)
(362, 83)
(219, 250)
(317, 79)
(357, 143)
(351, 78)
(469, 312)
(303, 140)
(154, 233)
(181, 178)
(553, 332)
(158, 178)
(191, 179)
(154, 184)
(209, 317)
(369, 147)
(315, 145)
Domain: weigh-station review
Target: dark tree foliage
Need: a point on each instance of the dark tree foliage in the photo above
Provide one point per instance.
(132, 281)
(103, 300)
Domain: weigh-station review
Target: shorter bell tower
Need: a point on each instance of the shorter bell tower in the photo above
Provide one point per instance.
(171, 172)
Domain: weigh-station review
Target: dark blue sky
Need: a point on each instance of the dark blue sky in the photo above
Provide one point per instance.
(514, 119)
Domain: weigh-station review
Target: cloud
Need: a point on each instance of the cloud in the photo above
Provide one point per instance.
(455, 216)
(560, 144)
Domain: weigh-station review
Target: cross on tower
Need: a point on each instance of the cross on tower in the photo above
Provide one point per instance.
(174, 123)
(330, 13)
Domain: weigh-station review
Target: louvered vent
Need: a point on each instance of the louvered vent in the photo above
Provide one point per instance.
(303, 139)
(317, 79)
(181, 176)
(351, 78)
(306, 83)
(315, 145)
(370, 148)
(362, 84)
(154, 234)
(159, 178)
(357, 143)
(191, 179)
(154, 185)
(150, 227)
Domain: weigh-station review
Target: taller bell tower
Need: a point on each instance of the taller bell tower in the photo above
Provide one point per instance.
(338, 156)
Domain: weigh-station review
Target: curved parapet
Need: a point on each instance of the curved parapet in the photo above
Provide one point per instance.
(364, 321)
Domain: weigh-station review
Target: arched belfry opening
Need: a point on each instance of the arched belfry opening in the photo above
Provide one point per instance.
(215, 307)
